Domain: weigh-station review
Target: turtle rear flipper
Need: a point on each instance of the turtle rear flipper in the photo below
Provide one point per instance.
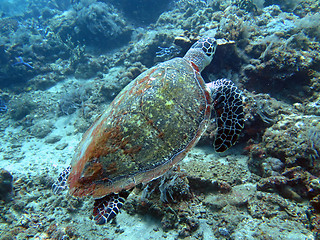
(106, 208)
(228, 105)
(61, 183)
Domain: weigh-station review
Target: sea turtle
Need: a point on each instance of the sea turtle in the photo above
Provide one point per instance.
(149, 127)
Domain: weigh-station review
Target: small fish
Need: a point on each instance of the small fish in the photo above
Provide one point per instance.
(20, 61)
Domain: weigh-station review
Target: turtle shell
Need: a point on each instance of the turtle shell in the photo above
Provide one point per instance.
(149, 127)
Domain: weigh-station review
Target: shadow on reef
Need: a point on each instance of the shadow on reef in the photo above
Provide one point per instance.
(286, 86)
(141, 12)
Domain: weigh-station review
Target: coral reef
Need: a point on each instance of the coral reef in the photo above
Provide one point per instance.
(101, 24)
(73, 99)
(62, 62)
(172, 188)
(18, 111)
(292, 139)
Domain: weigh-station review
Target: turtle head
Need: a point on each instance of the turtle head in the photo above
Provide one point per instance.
(201, 53)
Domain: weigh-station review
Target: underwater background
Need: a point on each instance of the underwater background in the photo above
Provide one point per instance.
(62, 63)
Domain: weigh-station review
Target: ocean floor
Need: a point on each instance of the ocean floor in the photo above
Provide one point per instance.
(224, 202)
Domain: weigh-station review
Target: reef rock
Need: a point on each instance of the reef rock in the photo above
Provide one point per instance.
(6, 186)
(295, 139)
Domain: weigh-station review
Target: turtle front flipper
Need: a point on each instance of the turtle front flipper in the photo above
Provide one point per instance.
(61, 183)
(228, 105)
(108, 207)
